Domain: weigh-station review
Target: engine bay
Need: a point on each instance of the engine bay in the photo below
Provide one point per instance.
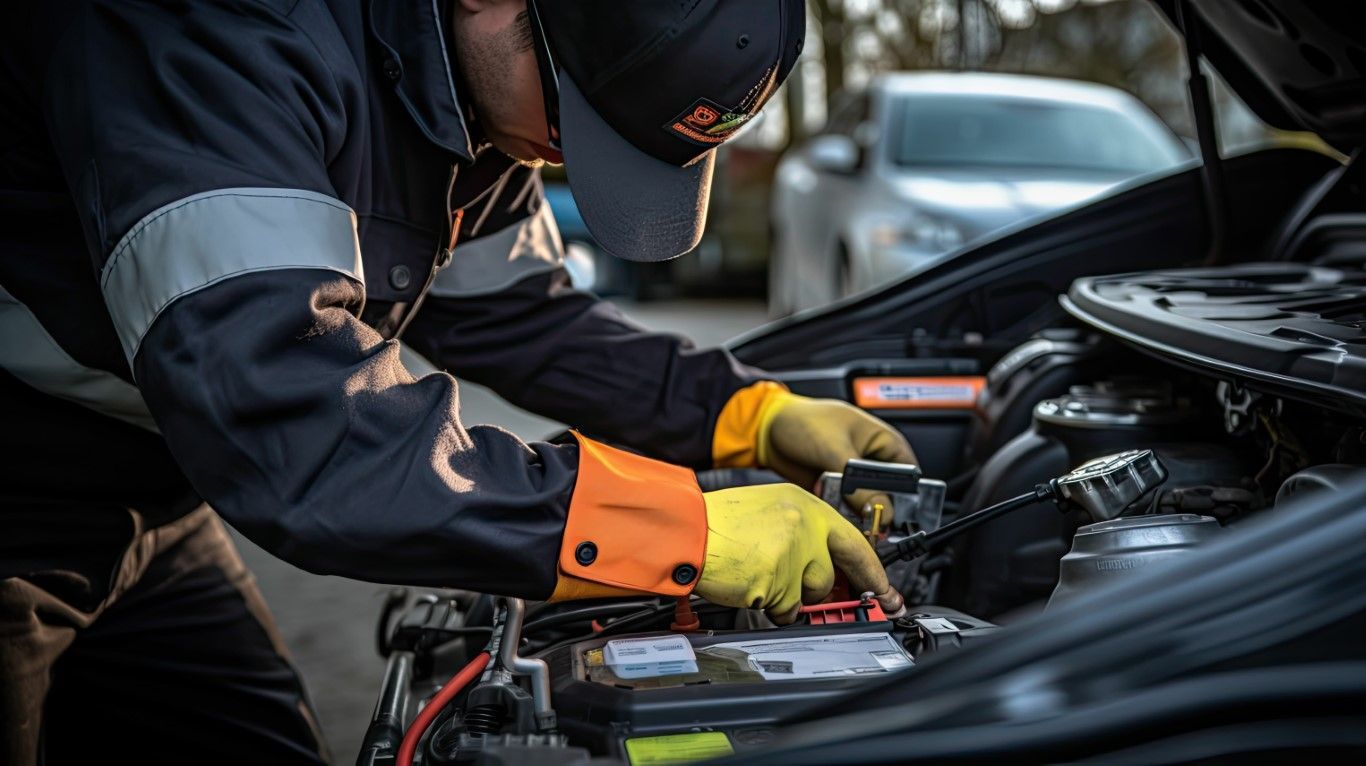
(1091, 460)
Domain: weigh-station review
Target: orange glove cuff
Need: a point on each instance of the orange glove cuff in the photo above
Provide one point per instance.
(735, 441)
(635, 525)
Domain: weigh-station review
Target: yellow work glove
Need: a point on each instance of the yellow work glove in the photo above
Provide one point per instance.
(801, 437)
(775, 547)
(766, 426)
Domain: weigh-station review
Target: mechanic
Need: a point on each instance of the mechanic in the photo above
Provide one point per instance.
(219, 219)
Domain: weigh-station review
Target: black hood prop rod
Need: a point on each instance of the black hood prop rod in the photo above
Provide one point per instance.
(1206, 132)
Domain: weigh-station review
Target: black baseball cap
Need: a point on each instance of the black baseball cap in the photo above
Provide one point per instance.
(648, 90)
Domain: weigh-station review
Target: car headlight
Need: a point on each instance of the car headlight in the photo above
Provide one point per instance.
(922, 233)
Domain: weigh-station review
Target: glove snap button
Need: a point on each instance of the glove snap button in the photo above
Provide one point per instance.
(685, 573)
(586, 553)
(400, 277)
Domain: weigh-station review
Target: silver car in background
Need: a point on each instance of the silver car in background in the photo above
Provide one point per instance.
(919, 164)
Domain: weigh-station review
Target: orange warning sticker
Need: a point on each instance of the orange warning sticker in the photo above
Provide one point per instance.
(922, 393)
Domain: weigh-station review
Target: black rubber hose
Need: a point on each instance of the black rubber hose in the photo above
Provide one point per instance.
(1085, 731)
(634, 621)
(584, 613)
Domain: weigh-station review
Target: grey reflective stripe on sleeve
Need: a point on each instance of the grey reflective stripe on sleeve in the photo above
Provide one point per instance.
(501, 259)
(205, 238)
(31, 354)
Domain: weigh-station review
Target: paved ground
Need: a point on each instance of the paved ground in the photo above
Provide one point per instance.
(329, 622)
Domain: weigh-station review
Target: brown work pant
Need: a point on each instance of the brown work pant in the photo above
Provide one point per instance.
(173, 659)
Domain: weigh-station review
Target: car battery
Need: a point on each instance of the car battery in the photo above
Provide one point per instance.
(680, 696)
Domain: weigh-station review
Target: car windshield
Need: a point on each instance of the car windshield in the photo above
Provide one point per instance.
(995, 131)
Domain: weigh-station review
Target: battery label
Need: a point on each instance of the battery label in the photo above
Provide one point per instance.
(650, 657)
(678, 748)
(780, 659)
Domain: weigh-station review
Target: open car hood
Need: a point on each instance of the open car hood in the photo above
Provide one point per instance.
(1299, 65)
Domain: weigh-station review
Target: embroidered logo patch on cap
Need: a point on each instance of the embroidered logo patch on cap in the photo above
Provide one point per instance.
(708, 123)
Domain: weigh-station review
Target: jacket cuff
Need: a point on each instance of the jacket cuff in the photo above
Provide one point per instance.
(635, 525)
(736, 439)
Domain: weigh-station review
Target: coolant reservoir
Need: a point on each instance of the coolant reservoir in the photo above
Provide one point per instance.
(1121, 548)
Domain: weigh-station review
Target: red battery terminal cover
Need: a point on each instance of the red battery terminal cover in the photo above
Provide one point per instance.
(838, 612)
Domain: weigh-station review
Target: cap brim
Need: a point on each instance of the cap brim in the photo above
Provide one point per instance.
(637, 207)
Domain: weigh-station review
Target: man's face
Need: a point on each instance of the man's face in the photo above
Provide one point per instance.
(493, 49)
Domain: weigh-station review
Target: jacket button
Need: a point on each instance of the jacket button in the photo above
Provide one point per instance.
(586, 554)
(400, 277)
(685, 573)
(392, 70)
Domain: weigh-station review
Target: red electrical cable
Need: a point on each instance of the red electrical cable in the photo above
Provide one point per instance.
(442, 698)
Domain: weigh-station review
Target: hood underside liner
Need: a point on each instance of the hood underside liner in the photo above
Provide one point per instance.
(1290, 328)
